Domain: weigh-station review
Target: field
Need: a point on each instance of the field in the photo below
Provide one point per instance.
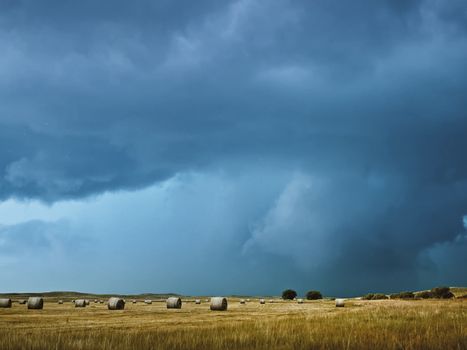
(385, 324)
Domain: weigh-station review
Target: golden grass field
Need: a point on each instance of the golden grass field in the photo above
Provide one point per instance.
(385, 324)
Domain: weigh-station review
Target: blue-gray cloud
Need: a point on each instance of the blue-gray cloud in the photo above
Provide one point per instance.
(365, 101)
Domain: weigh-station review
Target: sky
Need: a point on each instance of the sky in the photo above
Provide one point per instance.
(233, 147)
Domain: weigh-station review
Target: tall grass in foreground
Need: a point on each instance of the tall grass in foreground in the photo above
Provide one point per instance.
(363, 325)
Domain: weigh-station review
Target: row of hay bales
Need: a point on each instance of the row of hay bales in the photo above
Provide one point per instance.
(32, 302)
(339, 302)
(115, 303)
(176, 303)
(83, 302)
(217, 303)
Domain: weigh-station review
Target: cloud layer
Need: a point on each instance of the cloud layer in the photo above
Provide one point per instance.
(348, 120)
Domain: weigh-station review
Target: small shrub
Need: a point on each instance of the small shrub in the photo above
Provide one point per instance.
(368, 296)
(289, 294)
(379, 296)
(424, 295)
(313, 295)
(442, 293)
(402, 295)
(374, 296)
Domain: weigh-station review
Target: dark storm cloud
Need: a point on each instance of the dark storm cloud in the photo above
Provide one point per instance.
(369, 96)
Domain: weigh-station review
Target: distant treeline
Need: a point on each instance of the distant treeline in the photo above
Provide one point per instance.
(434, 293)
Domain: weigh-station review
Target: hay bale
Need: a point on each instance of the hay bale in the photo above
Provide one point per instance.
(22, 302)
(206, 300)
(148, 301)
(116, 304)
(80, 303)
(134, 301)
(262, 301)
(300, 301)
(248, 300)
(242, 301)
(95, 301)
(5, 303)
(60, 301)
(174, 303)
(270, 301)
(340, 302)
(87, 302)
(197, 301)
(218, 304)
(101, 301)
(35, 303)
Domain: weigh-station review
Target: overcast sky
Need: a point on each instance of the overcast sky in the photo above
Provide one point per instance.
(233, 147)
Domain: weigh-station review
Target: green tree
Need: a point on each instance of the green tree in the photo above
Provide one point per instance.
(313, 295)
(289, 294)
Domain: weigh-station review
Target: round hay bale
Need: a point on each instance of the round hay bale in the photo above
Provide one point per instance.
(5, 303)
(95, 301)
(270, 301)
(35, 303)
(60, 301)
(300, 301)
(242, 301)
(22, 302)
(248, 300)
(148, 301)
(116, 304)
(197, 301)
(101, 301)
(80, 303)
(340, 302)
(134, 301)
(262, 301)
(174, 303)
(206, 300)
(218, 304)
(87, 301)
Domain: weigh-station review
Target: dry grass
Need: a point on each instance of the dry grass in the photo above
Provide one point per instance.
(459, 291)
(386, 324)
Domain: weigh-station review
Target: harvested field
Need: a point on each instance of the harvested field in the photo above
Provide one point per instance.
(382, 324)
